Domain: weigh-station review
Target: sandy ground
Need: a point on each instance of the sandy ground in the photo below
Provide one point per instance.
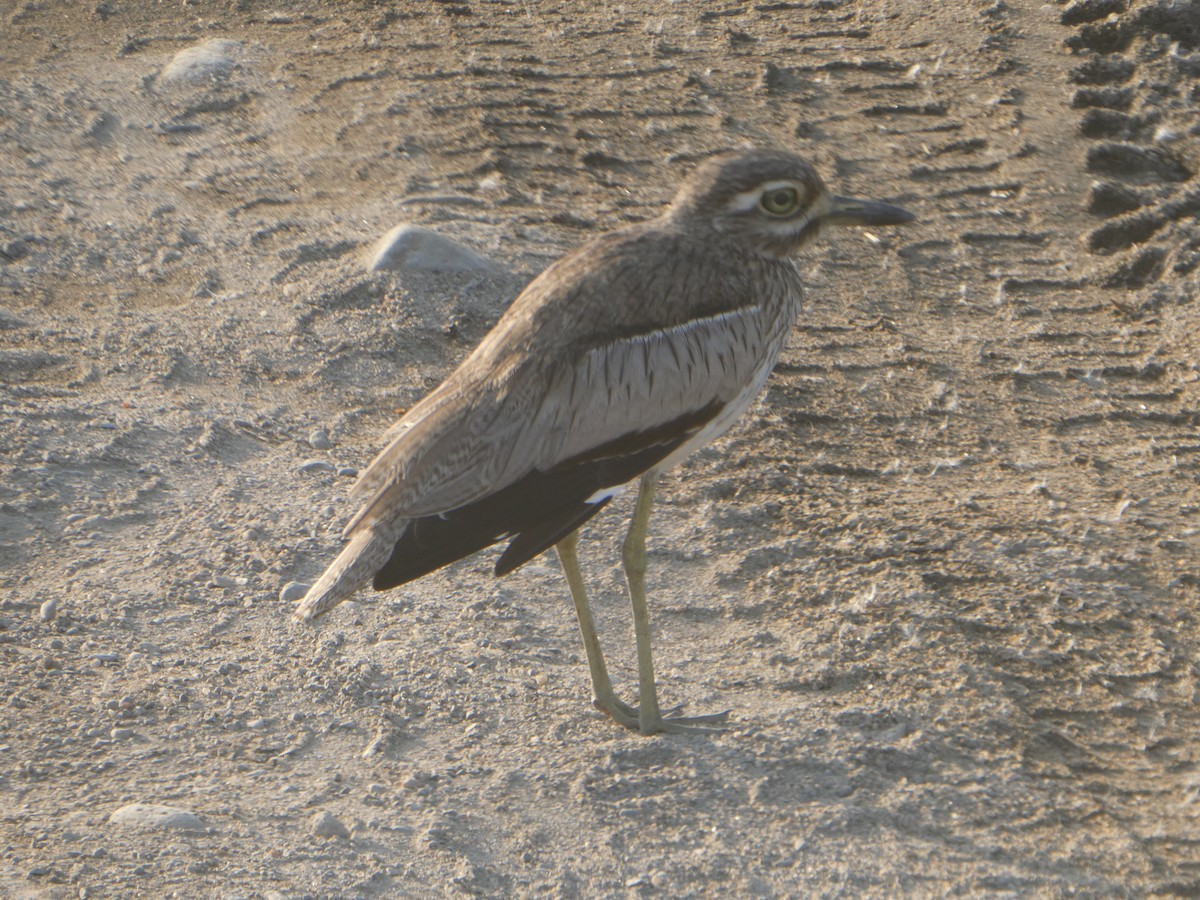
(946, 577)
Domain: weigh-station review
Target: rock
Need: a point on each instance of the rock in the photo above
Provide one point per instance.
(49, 609)
(151, 815)
(316, 465)
(319, 440)
(324, 824)
(211, 59)
(11, 252)
(293, 592)
(410, 248)
(101, 127)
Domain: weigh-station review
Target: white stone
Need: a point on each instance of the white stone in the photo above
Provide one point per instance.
(411, 248)
(152, 815)
(325, 824)
(293, 591)
(211, 59)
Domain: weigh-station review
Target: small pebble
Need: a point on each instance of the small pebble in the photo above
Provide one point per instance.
(319, 440)
(293, 592)
(316, 465)
(324, 824)
(13, 250)
(49, 609)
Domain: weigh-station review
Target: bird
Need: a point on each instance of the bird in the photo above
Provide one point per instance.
(612, 366)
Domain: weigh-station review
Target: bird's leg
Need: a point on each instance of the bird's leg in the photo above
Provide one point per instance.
(633, 554)
(603, 696)
(647, 718)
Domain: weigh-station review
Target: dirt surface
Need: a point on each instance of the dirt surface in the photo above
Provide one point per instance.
(946, 577)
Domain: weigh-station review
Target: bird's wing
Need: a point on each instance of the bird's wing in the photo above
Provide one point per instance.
(612, 400)
(640, 382)
(598, 350)
(536, 511)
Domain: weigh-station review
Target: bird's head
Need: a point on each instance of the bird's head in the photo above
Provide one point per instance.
(773, 201)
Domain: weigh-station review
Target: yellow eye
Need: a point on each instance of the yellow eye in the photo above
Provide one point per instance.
(780, 201)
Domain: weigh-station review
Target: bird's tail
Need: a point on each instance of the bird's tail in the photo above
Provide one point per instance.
(358, 562)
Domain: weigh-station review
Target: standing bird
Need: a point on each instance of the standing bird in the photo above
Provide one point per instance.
(614, 364)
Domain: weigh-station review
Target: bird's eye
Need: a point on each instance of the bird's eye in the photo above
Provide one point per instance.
(780, 201)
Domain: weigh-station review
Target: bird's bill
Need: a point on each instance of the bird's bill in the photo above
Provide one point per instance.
(851, 211)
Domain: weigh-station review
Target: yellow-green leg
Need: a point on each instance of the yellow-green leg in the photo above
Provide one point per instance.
(633, 553)
(603, 696)
(646, 717)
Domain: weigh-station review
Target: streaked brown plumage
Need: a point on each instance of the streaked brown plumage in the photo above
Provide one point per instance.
(615, 363)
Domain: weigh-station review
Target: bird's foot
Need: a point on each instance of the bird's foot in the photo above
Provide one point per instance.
(668, 721)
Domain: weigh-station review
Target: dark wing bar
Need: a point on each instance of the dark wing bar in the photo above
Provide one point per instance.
(538, 510)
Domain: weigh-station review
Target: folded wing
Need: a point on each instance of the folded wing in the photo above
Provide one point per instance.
(534, 462)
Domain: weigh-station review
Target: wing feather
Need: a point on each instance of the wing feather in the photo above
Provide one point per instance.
(598, 347)
(469, 440)
(538, 510)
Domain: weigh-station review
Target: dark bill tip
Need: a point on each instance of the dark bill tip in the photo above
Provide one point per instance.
(849, 211)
